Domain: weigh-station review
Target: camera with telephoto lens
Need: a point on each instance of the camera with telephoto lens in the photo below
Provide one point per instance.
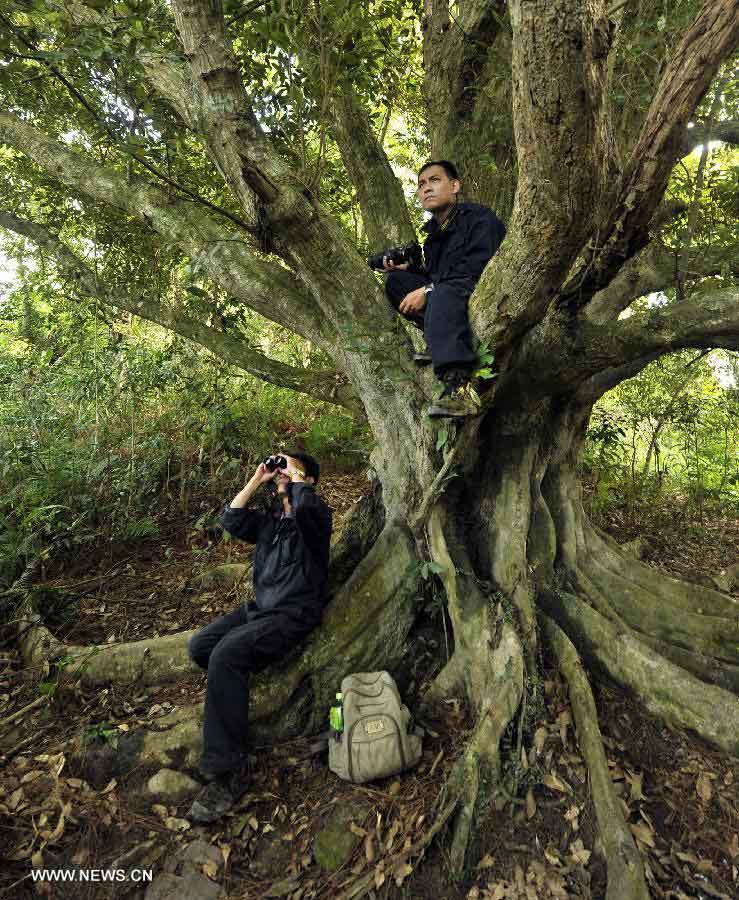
(272, 463)
(411, 253)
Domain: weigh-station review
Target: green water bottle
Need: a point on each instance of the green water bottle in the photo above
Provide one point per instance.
(336, 718)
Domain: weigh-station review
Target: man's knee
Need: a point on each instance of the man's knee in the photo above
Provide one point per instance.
(400, 283)
(394, 288)
(231, 655)
(197, 651)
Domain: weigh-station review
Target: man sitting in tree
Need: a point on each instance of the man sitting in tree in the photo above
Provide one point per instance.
(290, 582)
(461, 238)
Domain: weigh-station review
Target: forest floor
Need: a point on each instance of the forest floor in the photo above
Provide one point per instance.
(681, 797)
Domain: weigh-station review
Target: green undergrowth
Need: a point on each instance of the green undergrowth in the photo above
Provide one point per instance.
(124, 433)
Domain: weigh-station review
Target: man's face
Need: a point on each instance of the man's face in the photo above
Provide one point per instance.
(436, 190)
(282, 480)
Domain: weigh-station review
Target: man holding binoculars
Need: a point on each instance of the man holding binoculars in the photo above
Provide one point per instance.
(290, 584)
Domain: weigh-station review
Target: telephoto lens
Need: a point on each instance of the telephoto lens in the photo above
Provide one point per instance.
(275, 462)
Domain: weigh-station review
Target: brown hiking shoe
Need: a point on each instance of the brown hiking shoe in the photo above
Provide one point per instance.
(219, 796)
(456, 404)
(458, 399)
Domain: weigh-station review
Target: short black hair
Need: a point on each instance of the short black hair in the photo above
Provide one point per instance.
(447, 166)
(312, 467)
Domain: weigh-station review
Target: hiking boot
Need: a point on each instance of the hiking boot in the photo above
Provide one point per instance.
(422, 359)
(219, 795)
(456, 400)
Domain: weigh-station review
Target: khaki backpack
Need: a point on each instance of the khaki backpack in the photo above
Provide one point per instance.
(375, 741)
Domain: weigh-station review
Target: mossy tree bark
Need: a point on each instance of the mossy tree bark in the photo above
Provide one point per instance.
(496, 503)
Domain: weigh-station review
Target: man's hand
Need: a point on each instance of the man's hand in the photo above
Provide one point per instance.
(413, 303)
(390, 266)
(262, 475)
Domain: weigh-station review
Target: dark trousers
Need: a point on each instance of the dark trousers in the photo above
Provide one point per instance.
(231, 649)
(443, 321)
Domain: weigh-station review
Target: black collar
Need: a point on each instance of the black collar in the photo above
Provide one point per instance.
(432, 227)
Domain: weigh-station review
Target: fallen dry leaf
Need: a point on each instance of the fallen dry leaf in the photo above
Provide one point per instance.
(210, 869)
(379, 877)
(643, 833)
(175, 824)
(486, 862)
(556, 784)
(578, 853)
(402, 872)
(530, 804)
(540, 737)
(635, 786)
(572, 816)
(703, 787)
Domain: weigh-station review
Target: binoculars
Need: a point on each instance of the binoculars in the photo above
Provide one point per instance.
(272, 463)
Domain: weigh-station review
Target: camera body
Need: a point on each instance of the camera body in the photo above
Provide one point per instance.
(410, 253)
(272, 463)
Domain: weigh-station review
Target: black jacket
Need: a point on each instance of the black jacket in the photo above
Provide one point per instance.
(457, 252)
(291, 555)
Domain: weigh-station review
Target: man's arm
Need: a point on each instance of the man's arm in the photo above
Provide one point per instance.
(244, 523)
(313, 519)
(482, 243)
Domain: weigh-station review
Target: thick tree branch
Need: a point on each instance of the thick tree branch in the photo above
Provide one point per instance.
(387, 221)
(623, 230)
(266, 287)
(313, 243)
(620, 350)
(566, 156)
(100, 119)
(172, 81)
(728, 132)
(706, 321)
(208, 92)
(249, 161)
(229, 347)
(455, 51)
(652, 270)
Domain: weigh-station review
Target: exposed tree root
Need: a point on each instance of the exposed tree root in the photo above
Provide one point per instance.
(683, 595)
(366, 883)
(476, 776)
(667, 691)
(708, 669)
(625, 869)
(488, 667)
(709, 635)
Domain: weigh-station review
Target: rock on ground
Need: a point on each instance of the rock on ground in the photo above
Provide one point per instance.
(172, 785)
